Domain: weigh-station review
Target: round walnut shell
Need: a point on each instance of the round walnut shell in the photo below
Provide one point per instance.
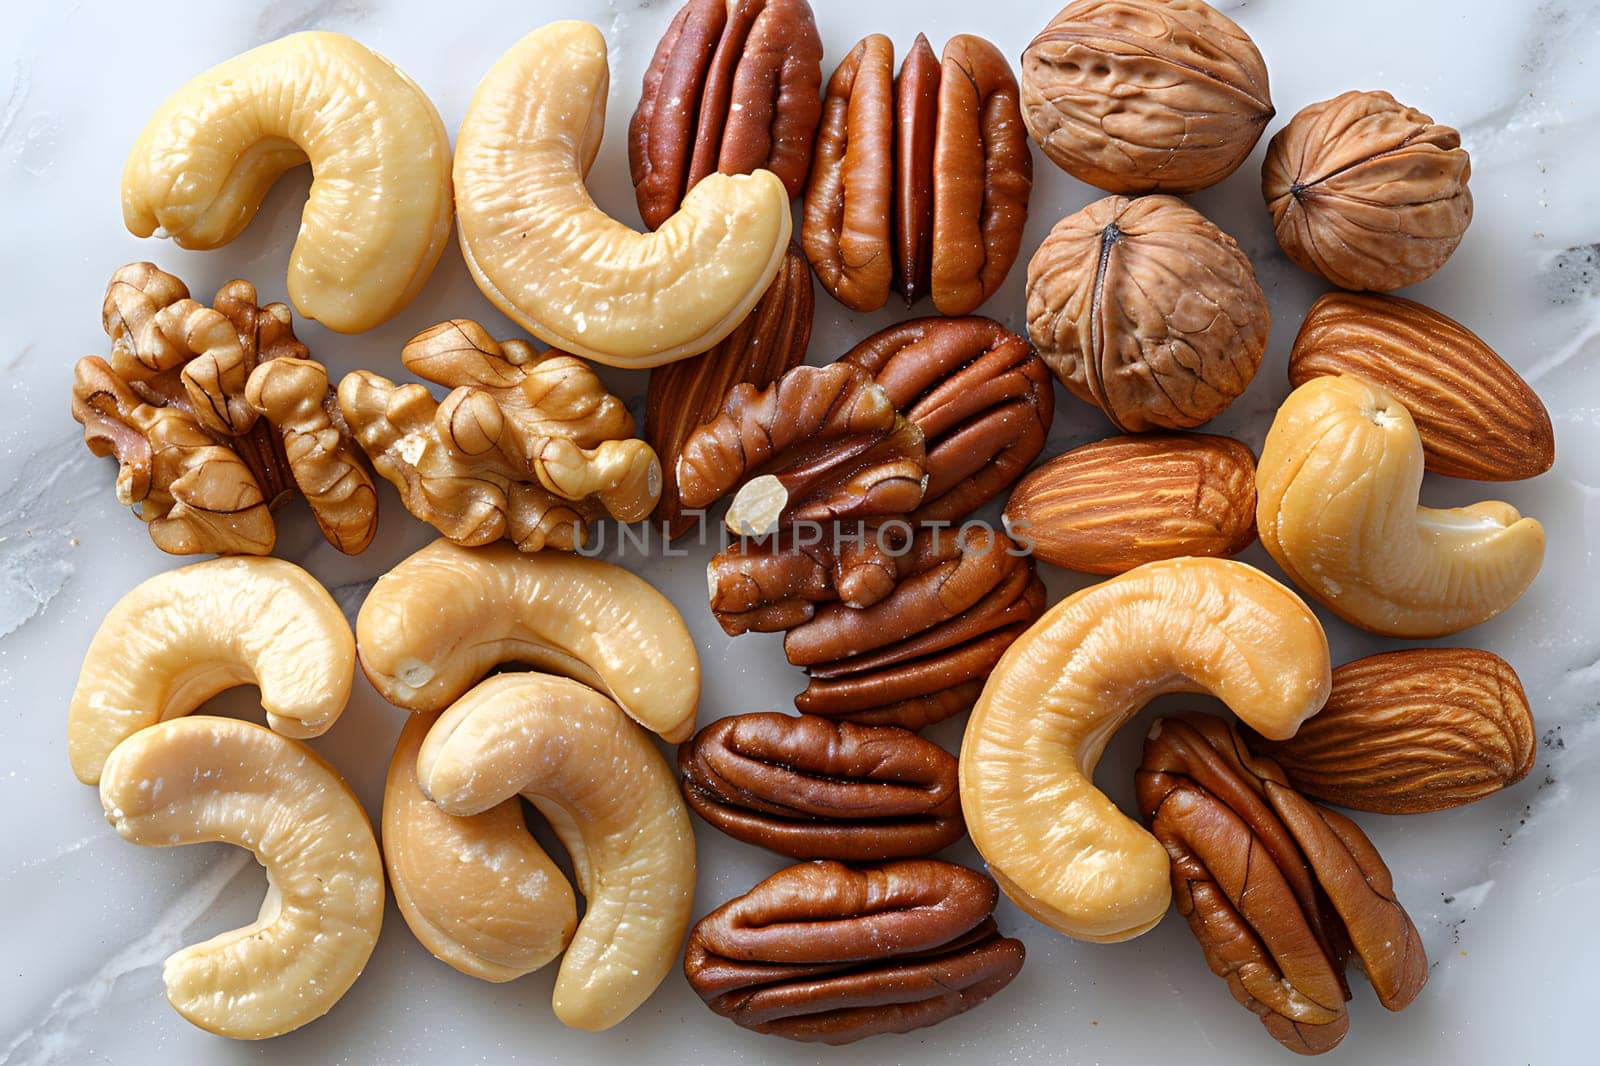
(1367, 192)
(1146, 310)
(1145, 95)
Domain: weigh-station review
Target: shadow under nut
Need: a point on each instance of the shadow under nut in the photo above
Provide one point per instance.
(811, 788)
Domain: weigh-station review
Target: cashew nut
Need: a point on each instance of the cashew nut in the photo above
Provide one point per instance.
(202, 779)
(477, 891)
(379, 210)
(1336, 493)
(611, 799)
(559, 266)
(1055, 843)
(446, 616)
(183, 636)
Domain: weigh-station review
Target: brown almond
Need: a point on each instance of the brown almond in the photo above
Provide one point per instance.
(1477, 418)
(1411, 731)
(1110, 506)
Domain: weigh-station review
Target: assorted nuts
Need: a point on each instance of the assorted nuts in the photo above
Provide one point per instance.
(920, 181)
(1147, 311)
(534, 240)
(378, 214)
(829, 953)
(901, 610)
(1367, 192)
(1336, 507)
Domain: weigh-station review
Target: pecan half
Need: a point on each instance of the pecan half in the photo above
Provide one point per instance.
(810, 788)
(734, 87)
(819, 444)
(921, 181)
(823, 952)
(981, 396)
(684, 394)
(1279, 891)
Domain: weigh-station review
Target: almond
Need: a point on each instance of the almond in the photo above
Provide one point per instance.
(684, 394)
(1110, 506)
(1478, 419)
(1412, 731)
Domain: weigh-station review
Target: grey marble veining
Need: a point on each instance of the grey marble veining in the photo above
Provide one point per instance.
(1502, 891)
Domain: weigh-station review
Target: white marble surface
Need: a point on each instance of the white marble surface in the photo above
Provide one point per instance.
(1502, 891)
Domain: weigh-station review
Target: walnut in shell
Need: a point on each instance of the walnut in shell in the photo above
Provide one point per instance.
(1145, 95)
(1148, 311)
(1367, 192)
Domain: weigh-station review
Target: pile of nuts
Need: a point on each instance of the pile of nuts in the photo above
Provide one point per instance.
(852, 488)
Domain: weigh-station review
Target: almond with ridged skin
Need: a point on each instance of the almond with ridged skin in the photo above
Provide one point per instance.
(1407, 732)
(1110, 506)
(1477, 418)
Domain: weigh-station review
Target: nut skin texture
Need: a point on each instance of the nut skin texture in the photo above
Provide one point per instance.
(181, 637)
(1477, 418)
(613, 802)
(810, 788)
(378, 214)
(819, 444)
(1336, 507)
(444, 617)
(751, 72)
(1147, 311)
(824, 952)
(981, 396)
(683, 395)
(477, 891)
(532, 236)
(1057, 846)
(1279, 892)
(1119, 503)
(1136, 96)
(1413, 731)
(921, 181)
(1367, 192)
(202, 779)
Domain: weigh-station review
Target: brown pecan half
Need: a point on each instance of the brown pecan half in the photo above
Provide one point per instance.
(819, 444)
(981, 396)
(684, 394)
(921, 181)
(1279, 892)
(810, 788)
(826, 953)
(734, 87)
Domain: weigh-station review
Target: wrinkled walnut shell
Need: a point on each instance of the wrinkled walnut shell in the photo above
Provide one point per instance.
(1146, 310)
(1139, 96)
(826, 953)
(733, 88)
(1367, 192)
(809, 788)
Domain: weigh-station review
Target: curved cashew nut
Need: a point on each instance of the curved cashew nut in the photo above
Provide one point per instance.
(611, 799)
(446, 616)
(378, 215)
(1336, 506)
(183, 636)
(1055, 843)
(477, 891)
(202, 779)
(563, 269)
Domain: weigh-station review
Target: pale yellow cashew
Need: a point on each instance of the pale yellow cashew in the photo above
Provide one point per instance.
(378, 215)
(612, 800)
(181, 637)
(1336, 505)
(559, 266)
(1054, 842)
(446, 616)
(477, 891)
(202, 779)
